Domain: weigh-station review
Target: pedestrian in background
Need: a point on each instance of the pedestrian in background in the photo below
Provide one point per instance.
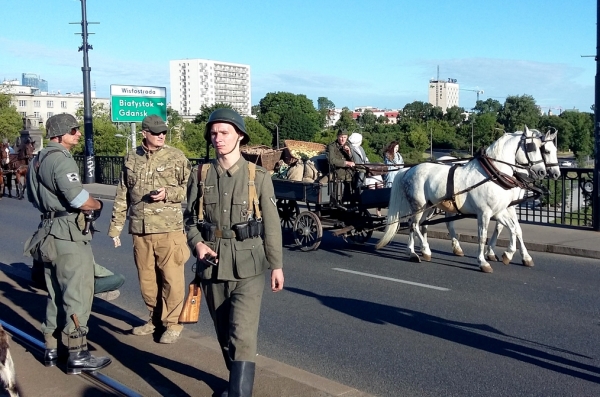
(394, 158)
(152, 188)
(234, 230)
(54, 188)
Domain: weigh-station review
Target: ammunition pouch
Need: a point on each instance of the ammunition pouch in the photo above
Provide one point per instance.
(207, 231)
(250, 229)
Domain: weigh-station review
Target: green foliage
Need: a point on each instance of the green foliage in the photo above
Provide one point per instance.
(565, 130)
(518, 112)
(346, 122)
(105, 141)
(205, 112)
(259, 135)
(295, 115)
(324, 105)
(10, 120)
(582, 141)
(488, 106)
(193, 139)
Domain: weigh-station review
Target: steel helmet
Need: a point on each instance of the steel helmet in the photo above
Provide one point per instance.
(225, 115)
(60, 124)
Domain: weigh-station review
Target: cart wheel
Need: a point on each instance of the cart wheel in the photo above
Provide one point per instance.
(364, 231)
(288, 212)
(308, 231)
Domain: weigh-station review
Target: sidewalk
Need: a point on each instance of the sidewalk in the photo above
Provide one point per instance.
(554, 239)
(191, 367)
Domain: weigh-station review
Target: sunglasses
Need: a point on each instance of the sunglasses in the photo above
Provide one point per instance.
(157, 133)
(74, 131)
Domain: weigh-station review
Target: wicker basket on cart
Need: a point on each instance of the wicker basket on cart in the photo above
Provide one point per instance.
(262, 155)
(292, 146)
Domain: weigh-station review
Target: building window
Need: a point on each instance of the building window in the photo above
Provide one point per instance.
(36, 104)
(22, 103)
(24, 114)
(50, 104)
(63, 104)
(49, 114)
(36, 115)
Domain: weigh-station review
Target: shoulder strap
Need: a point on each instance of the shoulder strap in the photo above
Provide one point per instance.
(202, 172)
(252, 196)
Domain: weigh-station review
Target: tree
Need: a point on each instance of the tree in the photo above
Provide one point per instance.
(564, 127)
(518, 112)
(346, 121)
(488, 106)
(175, 123)
(259, 135)
(104, 131)
(295, 115)
(582, 143)
(367, 120)
(455, 115)
(205, 112)
(10, 120)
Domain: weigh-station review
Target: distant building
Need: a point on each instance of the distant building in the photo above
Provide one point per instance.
(39, 106)
(33, 80)
(391, 114)
(198, 82)
(443, 94)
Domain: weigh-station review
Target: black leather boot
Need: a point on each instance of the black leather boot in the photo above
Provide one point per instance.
(80, 358)
(50, 357)
(241, 379)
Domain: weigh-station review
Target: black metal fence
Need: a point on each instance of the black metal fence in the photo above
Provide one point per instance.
(568, 201)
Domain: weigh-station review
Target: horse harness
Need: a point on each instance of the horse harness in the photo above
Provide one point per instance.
(500, 178)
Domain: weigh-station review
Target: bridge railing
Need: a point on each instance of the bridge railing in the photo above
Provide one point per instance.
(567, 203)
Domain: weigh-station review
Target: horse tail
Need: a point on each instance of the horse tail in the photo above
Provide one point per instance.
(397, 199)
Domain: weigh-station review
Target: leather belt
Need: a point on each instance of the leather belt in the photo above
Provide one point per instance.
(56, 214)
(227, 234)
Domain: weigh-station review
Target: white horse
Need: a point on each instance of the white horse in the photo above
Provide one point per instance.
(549, 153)
(418, 191)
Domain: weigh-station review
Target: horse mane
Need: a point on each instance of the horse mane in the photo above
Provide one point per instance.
(497, 150)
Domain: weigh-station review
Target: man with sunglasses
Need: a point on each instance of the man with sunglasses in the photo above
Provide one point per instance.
(54, 187)
(151, 190)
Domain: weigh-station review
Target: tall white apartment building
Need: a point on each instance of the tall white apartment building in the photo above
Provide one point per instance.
(443, 93)
(198, 82)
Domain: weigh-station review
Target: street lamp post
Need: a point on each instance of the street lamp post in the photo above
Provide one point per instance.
(126, 142)
(277, 128)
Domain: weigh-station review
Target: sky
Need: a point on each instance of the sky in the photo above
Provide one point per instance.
(356, 53)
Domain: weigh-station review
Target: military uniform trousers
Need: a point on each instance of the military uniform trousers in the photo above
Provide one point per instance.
(164, 255)
(72, 273)
(235, 310)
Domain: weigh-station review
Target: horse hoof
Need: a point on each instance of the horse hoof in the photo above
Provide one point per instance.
(415, 258)
(492, 258)
(427, 257)
(486, 268)
(528, 263)
(458, 252)
(505, 259)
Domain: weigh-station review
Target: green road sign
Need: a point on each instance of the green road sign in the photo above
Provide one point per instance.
(130, 104)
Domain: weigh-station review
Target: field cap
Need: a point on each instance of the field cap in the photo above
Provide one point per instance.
(154, 123)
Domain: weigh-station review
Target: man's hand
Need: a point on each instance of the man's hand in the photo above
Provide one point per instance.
(276, 280)
(202, 250)
(117, 241)
(162, 194)
(350, 164)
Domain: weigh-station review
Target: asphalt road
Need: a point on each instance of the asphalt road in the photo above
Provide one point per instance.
(374, 321)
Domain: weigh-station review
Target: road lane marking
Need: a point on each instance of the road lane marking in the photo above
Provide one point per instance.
(396, 280)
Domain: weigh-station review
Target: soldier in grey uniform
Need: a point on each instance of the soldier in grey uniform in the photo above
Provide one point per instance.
(151, 190)
(54, 187)
(233, 284)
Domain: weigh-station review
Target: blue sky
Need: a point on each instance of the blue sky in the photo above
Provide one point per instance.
(355, 53)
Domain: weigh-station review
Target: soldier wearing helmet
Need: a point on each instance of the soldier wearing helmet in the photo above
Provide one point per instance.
(234, 231)
(54, 187)
(151, 190)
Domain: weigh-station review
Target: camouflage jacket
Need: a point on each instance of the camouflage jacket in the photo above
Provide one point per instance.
(337, 158)
(143, 172)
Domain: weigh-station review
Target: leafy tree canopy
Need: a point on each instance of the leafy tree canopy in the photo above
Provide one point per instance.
(518, 112)
(205, 112)
(10, 120)
(295, 115)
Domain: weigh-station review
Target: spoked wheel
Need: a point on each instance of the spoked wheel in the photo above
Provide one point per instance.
(363, 233)
(308, 231)
(288, 212)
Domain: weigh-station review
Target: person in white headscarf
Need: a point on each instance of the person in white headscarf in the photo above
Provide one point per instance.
(360, 157)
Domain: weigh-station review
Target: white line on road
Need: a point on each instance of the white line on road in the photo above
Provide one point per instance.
(396, 280)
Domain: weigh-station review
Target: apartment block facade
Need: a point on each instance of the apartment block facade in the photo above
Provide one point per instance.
(202, 82)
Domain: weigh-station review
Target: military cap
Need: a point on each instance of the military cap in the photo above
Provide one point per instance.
(342, 131)
(230, 116)
(60, 124)
(154, 123)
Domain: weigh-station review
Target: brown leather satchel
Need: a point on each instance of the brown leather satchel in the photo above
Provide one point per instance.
(191, 307)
